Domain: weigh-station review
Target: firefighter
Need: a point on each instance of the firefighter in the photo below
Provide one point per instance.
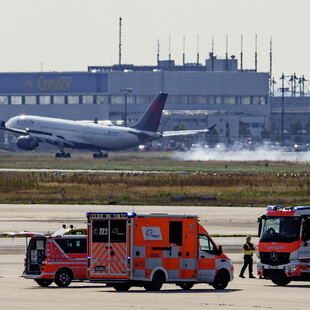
(248, 248)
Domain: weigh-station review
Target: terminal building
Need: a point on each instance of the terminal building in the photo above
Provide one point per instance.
(198, 95)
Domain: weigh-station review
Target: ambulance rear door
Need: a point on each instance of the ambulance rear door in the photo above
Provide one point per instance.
(109, 246)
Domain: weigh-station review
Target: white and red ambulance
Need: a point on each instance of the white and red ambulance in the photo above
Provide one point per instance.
(127, 249)
(284, 244)
(59, 258)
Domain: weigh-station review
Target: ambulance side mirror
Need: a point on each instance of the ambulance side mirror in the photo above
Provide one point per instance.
(306, 230)
(259, 228)
(220, 250)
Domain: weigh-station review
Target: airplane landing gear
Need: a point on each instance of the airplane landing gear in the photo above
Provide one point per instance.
(63, 155)
(100, 155)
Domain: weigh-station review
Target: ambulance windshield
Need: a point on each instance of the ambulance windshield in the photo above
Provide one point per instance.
(280, 229)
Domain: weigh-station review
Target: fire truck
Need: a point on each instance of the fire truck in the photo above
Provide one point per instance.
(127, 249)
(58, 258)
(284, 244)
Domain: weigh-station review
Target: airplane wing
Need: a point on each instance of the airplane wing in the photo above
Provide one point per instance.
(50, 138)
(21, 234)
(186, 132)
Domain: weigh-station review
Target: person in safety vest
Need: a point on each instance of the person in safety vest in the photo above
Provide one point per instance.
(248, 248)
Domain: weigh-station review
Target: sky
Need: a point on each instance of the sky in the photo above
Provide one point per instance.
(69, 35)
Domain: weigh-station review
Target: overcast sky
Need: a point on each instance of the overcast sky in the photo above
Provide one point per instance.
(69, 35)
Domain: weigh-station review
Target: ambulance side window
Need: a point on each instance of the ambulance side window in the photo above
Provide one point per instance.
(175, 232)
(72, 245)
(206, 244)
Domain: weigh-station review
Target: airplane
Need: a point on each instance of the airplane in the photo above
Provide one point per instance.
(32, 130)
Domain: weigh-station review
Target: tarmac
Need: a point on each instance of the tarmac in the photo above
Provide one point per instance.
(19, 293)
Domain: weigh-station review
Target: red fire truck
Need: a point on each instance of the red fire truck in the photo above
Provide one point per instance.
(284, 246)
(126, 249)
(61, 258)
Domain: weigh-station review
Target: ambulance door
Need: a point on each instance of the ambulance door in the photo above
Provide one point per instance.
(188, 250)
(140, 247)
(35, 255)
(304, 250)
(118, 250)
(206, 261)
(109, 248)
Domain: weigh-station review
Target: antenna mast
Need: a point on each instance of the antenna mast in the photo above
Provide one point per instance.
(256, 53)
(183, 49)
(241, 54)
(212, 54)
(226, 52)
(197, 49)
(158, 52)
(169, 50)
(120, 43)
(270, 68)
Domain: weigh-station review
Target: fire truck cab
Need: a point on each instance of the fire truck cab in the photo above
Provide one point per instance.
(284, 244)
(126, 249)
(61, 258)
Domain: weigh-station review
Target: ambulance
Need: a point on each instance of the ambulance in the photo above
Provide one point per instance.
(284, 244)
(57, 258)
(127, 249)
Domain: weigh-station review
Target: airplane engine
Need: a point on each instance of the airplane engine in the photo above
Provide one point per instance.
(26, 143)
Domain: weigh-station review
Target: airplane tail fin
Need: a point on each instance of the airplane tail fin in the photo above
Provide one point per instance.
(151, 118)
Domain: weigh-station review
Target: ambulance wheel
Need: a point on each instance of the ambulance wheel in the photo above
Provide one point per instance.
(221, 280)
(281, 281)
(156, 283)
(186, 285)
(122, 287)
(44, 282)
(63, 277)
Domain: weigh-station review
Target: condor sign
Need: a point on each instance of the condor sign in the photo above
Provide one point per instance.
(53, 83)
(61, 84)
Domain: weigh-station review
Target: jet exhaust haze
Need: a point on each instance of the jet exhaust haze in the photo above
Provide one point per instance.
(259, 154)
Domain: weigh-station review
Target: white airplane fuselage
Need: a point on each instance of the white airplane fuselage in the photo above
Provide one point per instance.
(81, 135)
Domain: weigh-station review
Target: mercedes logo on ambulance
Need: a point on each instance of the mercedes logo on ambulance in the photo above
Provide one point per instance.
(273, 256)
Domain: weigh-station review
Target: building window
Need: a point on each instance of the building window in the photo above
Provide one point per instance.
(229, 100)
(145, 99)
(87, 99)
(246, 100)
(44, 100)
(218, 100)
(73, 100)
(4, 100)
(211, 100)
(59, 99)
(118, 99)
(101, 99)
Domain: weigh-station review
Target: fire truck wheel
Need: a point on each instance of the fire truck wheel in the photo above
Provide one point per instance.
(186, 285)
(63, 277)
(122, 287)
(221, 280)
(281, 281)
(44, 282)
(156, 283)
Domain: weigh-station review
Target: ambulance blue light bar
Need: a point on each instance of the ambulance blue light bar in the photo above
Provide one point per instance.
(301, 208)
(274, 208)
(110, 215)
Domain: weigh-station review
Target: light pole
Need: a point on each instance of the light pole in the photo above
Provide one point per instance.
(126, 90)
(283, 90)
